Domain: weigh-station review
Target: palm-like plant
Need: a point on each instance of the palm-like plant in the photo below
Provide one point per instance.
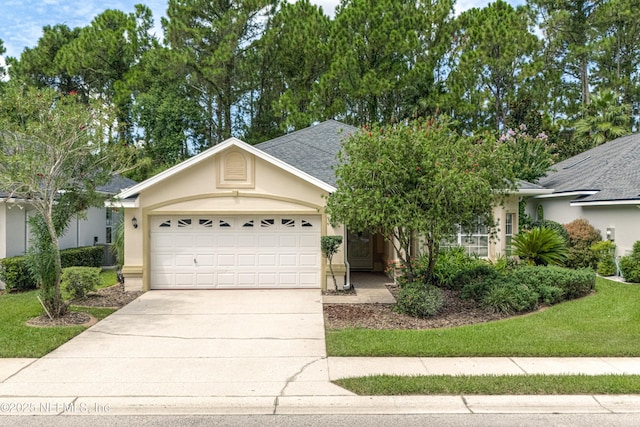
(606, 118)
(540, 246)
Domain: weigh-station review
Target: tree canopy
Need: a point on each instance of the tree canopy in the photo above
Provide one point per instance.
(54, 152)
(419, 179)
(255, 69)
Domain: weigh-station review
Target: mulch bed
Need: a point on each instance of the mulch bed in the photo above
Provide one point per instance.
(455, 312)
(71, 318)
(112, 297)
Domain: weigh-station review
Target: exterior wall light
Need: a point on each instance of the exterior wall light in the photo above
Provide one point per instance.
(134, 222)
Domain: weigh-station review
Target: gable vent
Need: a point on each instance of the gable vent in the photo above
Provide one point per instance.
(235, 167)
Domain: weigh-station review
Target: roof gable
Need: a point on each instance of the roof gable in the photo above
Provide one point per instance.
(210, 153)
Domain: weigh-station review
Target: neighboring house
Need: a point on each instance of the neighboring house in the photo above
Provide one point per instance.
(601, 185)
(95, 228)
(242, 216)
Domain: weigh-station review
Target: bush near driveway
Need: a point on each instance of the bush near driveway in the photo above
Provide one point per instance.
(14, 271)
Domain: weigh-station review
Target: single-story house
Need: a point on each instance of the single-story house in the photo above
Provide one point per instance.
(242, 216)
(95, 227)
(601, 185)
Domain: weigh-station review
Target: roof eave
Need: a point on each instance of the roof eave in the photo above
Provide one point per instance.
(553, 194)
(625, 202)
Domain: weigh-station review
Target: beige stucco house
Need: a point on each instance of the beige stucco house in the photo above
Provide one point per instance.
(242, 216)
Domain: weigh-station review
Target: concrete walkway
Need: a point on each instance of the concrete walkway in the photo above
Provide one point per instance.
(370, 289)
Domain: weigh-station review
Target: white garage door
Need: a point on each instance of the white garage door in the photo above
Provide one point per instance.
(211, 252)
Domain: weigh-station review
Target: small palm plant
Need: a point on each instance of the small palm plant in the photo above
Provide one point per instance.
(540, 246)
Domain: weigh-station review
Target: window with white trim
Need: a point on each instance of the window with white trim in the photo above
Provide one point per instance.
(508, 231)
(474, 241)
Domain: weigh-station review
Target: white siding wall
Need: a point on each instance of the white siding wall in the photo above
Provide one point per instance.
(624, 219)
(16, 231)
(82, 231)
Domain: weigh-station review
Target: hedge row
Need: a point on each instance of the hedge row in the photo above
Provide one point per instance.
(524, 288)
(14, 271)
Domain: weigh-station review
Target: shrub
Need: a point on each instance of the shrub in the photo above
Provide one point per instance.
(86, 256)
(14, 272)
(419, 300)
(78, 281)
(573, 283)
(582, 236)
(630, 265)
(540, 246)
(550, 294)
(455, 269)
(509, 297)
(559, 228)
(605, 252)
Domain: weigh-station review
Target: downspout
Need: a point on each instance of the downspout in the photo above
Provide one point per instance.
(347, 284)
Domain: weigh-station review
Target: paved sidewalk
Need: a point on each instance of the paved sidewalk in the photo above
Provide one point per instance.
(348, 367)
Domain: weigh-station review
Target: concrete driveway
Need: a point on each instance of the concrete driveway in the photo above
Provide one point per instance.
(244, 343)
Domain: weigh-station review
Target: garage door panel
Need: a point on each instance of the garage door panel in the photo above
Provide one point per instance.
(309, 260)
(288, 260)
(247, 279)
(309, 280)
(205, 280)
(226, 260)
(184, 280)
(182, 260)
(226, 241)
(206, 241)
(268, 241)
(184, 240)
(235, 252)
(266, 280)
(204, 261)
(246, 241)
(308, 241)
(247, 260)
(267, 260)
(288, 241)
(287, 280)
(225, 280)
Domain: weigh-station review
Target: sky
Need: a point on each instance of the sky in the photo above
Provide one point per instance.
(21, 21)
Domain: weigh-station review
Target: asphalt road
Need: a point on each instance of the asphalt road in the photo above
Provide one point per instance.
(459, 420)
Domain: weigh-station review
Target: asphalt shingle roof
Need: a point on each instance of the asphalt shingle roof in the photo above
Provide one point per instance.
(312, 150)
(612, 169)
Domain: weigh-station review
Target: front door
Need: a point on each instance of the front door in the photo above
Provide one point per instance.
(360, 251)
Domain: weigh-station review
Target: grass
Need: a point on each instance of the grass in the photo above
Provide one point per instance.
(19, 340)
(389, 385)
(604, 324)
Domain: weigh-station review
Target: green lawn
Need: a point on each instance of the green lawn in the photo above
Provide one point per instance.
(604, 324)
(19, 340)
(388, 385)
